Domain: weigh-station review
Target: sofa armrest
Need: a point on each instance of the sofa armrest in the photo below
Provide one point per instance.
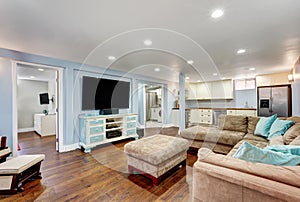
(2, 142)
(4, 151)
(223, 178)
(217, 183)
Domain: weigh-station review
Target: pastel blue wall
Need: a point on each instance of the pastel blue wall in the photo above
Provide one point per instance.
(72, 99)
(6, 100)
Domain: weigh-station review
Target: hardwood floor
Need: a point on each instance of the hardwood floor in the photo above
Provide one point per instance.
(99, 176)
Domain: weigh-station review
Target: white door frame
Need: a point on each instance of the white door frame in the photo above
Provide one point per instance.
(59, 116)
(144, 83)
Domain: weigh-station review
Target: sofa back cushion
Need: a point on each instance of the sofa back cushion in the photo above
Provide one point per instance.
(233, 122)
(291, 134)
(296, 141)
(295, 119)
(252, 121)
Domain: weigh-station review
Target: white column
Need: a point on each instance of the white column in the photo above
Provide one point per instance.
(181, 102)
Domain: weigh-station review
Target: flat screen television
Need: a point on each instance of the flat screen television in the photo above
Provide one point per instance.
(100, 94)
(44, 98)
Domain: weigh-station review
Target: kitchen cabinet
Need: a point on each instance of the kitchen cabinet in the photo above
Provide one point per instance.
(211, 90)
(201, 116)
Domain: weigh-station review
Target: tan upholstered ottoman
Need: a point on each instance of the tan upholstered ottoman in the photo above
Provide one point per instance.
(156, 156)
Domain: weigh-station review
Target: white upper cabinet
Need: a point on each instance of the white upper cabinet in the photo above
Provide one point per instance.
(203, 91)
(192, 91)
(211, 90)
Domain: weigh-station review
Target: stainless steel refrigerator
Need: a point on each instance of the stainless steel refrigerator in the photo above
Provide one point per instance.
(151, 101)
(274, 100)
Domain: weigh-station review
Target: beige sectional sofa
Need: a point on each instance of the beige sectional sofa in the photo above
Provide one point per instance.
(223, 178)
(218, 177)
(232, 130)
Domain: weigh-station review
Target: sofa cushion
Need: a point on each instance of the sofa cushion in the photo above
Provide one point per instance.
(212, 134)
(296, 141)
(19, 164)
(291, 134)
(251, 136)
(198, 132)
(276, 141)
(249, 152)
(295, 119)
(233, 122)
(263, 125)
(252, 121)
(279, 127)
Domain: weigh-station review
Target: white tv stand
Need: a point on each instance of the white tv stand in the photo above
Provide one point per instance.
(94, 130)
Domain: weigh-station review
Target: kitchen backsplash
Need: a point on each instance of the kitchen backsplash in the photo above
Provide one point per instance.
(242, 98)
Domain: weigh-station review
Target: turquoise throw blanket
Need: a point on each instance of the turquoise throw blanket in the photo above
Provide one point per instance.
(286, 149)
(249, 152)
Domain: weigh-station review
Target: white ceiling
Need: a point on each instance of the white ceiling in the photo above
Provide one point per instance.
(89, 31)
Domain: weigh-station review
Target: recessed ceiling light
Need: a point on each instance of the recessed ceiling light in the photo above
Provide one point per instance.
(40, 69)
(157, 69)
(32, 77)
(217, 13)
(190, 62)
(187, 78)
(198, 80)
(111, 57)
(252, 69)
(240, 51)
(215, 74)
(148, 42)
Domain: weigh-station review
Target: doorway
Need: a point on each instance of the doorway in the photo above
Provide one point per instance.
(153, 106)
(38, 101)
(150, 104)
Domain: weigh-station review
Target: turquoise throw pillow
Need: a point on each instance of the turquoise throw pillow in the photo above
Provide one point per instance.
(286, 149)
(279, 127)
(263, 125)
(249, 152)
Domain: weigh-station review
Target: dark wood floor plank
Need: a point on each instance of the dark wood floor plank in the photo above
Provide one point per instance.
(98, 176)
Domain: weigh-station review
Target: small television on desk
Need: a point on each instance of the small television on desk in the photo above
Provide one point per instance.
(106, 95)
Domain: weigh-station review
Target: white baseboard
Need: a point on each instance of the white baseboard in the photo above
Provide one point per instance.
(22, 130)
(71, 147)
